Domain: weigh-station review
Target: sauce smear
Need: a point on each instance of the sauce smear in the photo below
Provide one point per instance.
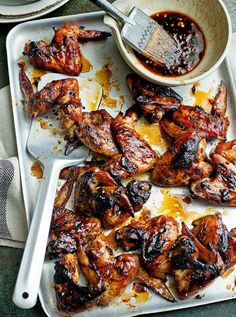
(191, 44)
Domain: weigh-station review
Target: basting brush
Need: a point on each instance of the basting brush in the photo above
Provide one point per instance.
(144, 34)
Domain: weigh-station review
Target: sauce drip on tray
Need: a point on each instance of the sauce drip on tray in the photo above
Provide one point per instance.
(191, 44)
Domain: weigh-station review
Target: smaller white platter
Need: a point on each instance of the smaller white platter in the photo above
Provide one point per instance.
(10, 13)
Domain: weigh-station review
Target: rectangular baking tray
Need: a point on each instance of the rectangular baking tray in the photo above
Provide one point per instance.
(99, 53)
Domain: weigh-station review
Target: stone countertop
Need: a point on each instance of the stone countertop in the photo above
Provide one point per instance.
(10, 258)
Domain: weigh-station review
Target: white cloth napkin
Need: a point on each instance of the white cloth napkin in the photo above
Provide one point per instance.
(13, 227)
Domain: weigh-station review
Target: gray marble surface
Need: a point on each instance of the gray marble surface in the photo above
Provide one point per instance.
(10, 258)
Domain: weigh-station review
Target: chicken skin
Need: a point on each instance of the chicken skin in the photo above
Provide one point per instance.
(118, 272)
(137, 155)
(63, 93)
(154, 238)
(94, 131)
(63, 54)
(211, 125)
(221, 187)
(98, 193)
(153, 100)
(194, 265)
(71, 296)
(210, 230)
(69, 229)
(184, 161)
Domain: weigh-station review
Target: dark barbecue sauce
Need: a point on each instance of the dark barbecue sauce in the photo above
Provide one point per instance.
(191, 43)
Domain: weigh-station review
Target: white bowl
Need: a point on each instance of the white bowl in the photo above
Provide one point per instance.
(210, 15)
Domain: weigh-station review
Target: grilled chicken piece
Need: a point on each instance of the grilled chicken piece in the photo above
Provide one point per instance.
(221, 187)
(154, 238)
(63, 93)
(153, 100)
(211, 125)
(194, 266)
(63, 54)
(137, 155)
(94, 131)
(118, 272)
(185, 160)
(227, 150)
(210, 230)
(72, 297)
(67, 228)
(96, 192)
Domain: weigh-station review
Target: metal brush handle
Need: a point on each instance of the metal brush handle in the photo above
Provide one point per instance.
(113, 11)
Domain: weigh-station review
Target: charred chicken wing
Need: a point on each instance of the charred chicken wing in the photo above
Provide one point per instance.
(63, 93)
(118, 272)
(221, 187)
(97, 193)
(185, 160)
(137, 155)
(194, 266)
(94, 131)
(68, 230)
(210, 230)
(154, 238)
(63, 54)
(72, 297)
(153, 100)
(211, 125)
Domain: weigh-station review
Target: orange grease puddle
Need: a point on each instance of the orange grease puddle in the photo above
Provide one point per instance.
(173, 206)
(103, 77)
(227, 273)
(86, 65)
(139, 293)
(151, 133)
(201, 97)
(43, 123)
(36, 170)
(37, 74)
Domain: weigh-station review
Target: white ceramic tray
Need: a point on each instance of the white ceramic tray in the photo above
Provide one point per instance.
(99, 53)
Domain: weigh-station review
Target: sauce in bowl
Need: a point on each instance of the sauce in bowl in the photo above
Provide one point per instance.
(191, 42)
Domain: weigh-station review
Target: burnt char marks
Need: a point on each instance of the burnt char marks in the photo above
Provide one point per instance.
(65, 243)
(187, 153)
(138, 193)
(97, 192)
(193, 266)
(154, 237)
(71, 297)
(220, 188)
(153, 100)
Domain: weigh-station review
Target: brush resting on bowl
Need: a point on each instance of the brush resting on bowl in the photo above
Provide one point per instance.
(190, 39)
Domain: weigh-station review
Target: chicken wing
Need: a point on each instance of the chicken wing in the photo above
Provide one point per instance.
(94, 131)
(221, 187)
(154, 238)
(185, 160)
(153, 100)
(63, 54)
(96, 192)
(211, 125)
(210, 230)
(118, 272)
(194, 266)
(137, 155)
(72, 297)
(68, 230)
(63, 93)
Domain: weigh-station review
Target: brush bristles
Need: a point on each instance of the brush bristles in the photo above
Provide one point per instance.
(161, 48)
